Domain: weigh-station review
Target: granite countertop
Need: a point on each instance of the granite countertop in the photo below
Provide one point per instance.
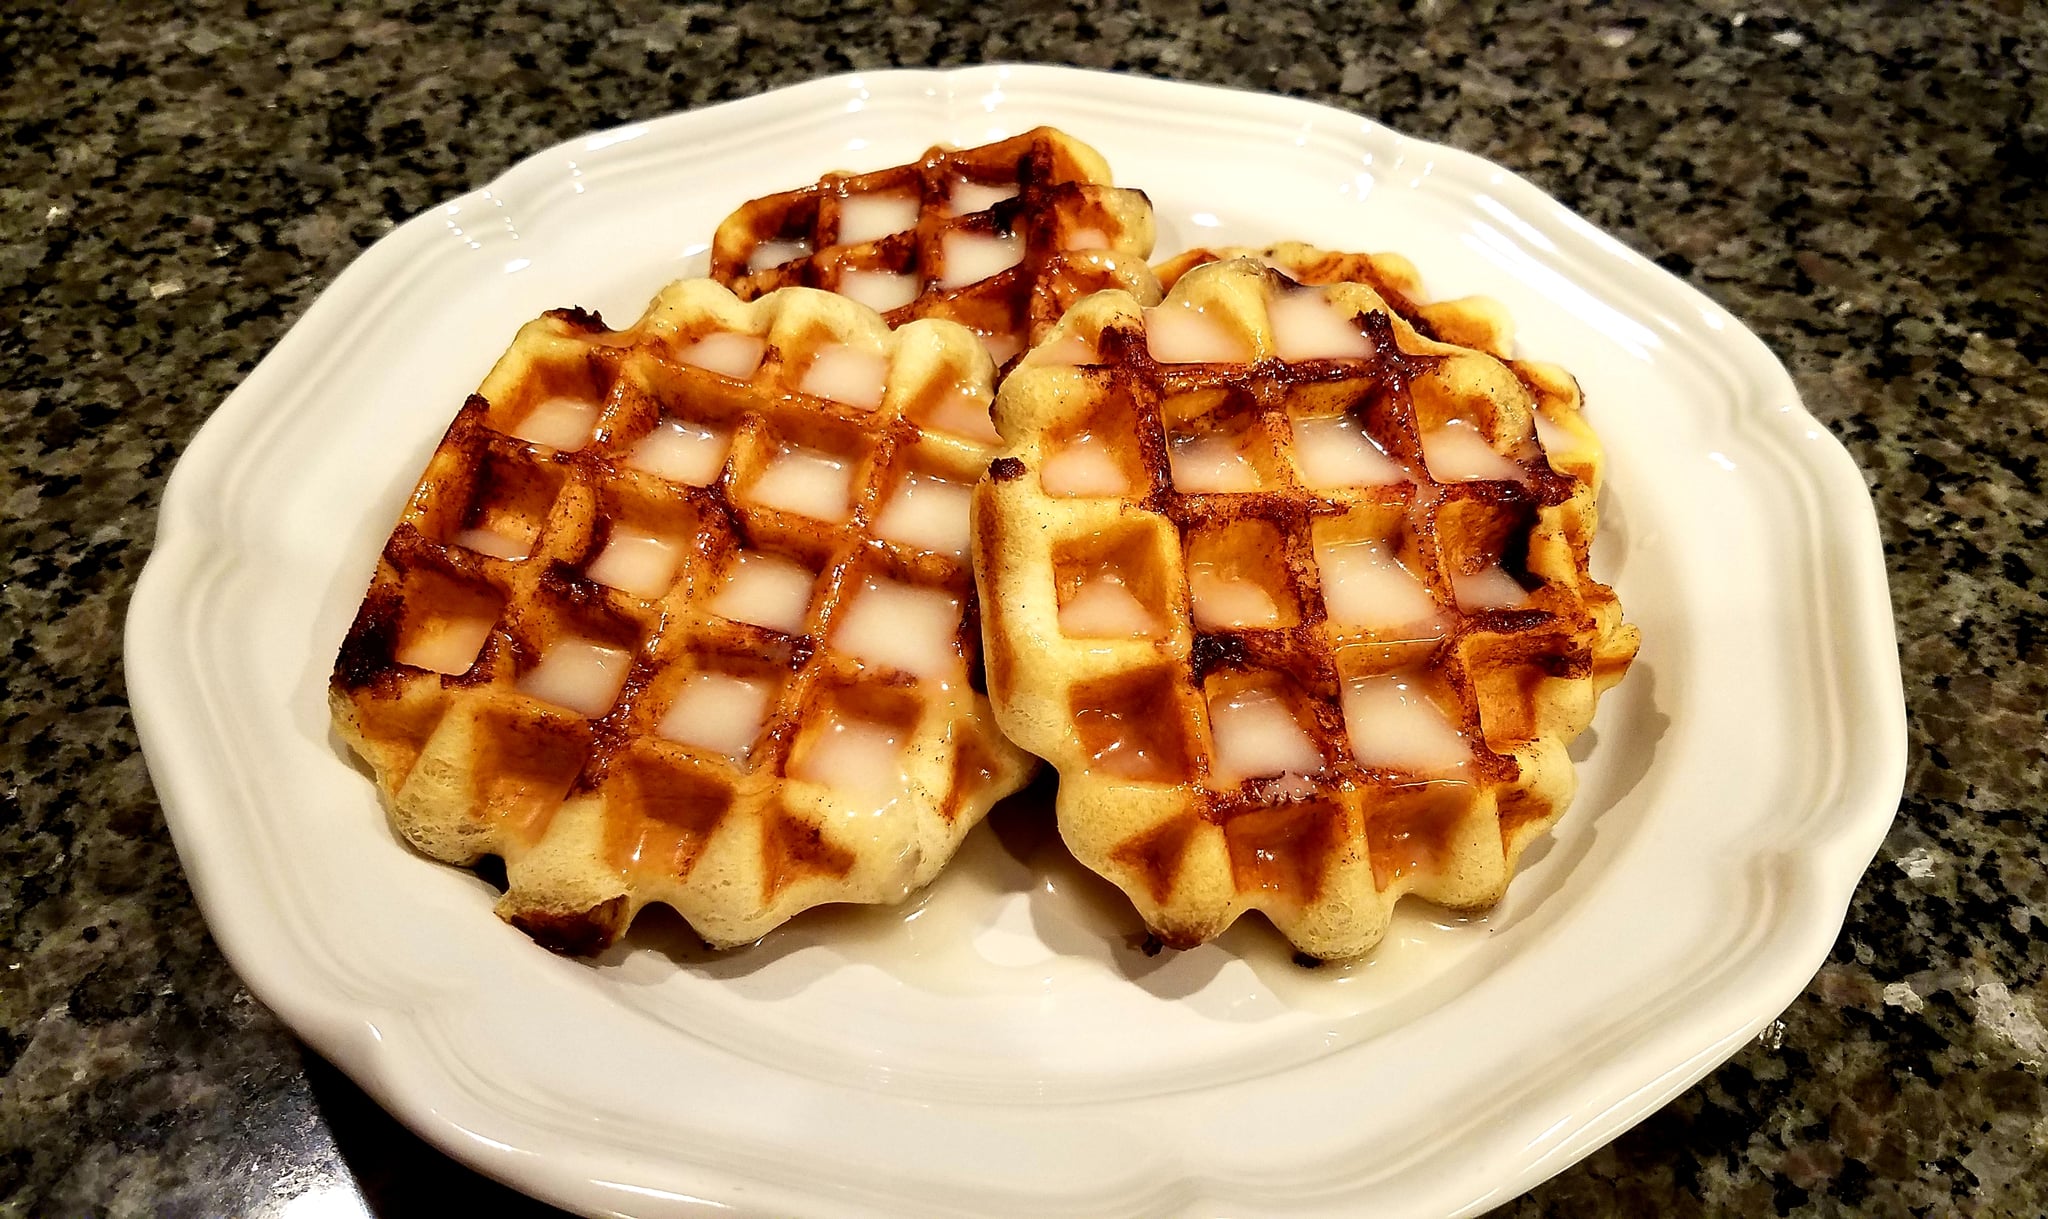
(1863, 183)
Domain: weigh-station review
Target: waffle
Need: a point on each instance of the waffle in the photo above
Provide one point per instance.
(681, 613)
(1294, 600)
(1001, 238)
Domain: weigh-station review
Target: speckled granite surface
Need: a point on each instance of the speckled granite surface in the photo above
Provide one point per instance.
(1863, 183)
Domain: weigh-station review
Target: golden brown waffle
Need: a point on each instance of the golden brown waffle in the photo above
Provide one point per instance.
(1001, 238)
(1290, 595)
(681, 613)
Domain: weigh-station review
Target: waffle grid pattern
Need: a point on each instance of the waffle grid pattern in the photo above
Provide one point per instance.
(1078, 234)
(1395, 279)
(1477, 322)
(1324, 849)
(599, 811)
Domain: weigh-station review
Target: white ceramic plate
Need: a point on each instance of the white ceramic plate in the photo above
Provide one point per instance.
(1004, 1049)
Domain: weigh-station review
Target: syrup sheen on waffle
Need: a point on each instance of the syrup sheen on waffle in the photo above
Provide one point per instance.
(681, 613)
(1294, 596)
(1001, 238)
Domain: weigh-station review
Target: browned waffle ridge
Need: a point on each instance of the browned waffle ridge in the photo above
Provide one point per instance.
(600, 805)
(1075, 233)
(1326, 843)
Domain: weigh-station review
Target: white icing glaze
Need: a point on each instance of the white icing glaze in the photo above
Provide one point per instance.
(1365, 586)
(1180, 334)
(1001, 347)
(559, 423)
(681, 452)
(1458, 452)
(856, 756)
(1394, 726)
(972, 257)
(1222, 602)
(1256, 735)
(446, 645)
(1067, 349)
(1489, 589)
(864, 218)
(928, 513)
(808, 483)
(1084, 466)
(578, 674)
(970, 197)
(492, 543)
(726, 353)
(1337, 452)
(1102, 608)
(892, 625)
(1210, 465)
(766, 590)
(718, 712)
(1306, 326)
(853, 375)
(637, 563)
(878, 290)
(775, 253)
(959, 413)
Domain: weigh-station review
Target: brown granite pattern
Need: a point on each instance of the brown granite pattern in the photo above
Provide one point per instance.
(1861, 182)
